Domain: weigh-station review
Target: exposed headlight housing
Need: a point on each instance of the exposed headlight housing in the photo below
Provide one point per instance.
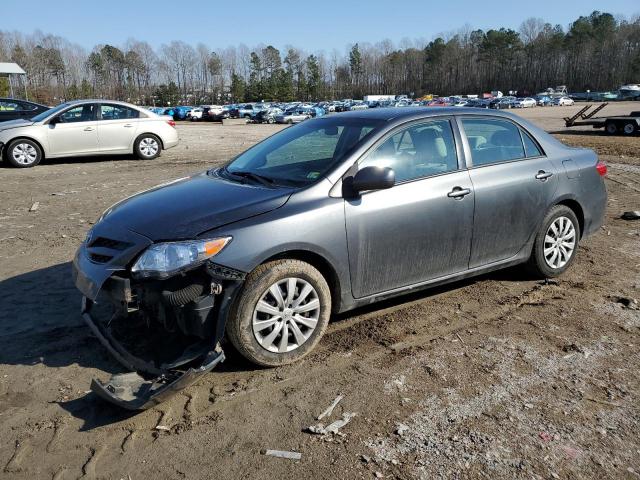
(163, 260)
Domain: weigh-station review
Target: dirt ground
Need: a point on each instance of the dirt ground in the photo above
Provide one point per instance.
(496, 377)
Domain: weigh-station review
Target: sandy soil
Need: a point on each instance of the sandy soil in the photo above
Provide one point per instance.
(496, 377)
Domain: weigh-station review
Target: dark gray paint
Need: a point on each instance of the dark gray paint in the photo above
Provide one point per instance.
(386, 242)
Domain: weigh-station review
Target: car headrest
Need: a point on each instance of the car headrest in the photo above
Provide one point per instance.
(429, 141)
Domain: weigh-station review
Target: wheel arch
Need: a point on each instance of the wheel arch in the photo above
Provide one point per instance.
(575, 206)
(321, 264)
(148, 133)
(26, 137)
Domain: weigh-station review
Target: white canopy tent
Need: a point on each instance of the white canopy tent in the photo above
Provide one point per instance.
(10, 70)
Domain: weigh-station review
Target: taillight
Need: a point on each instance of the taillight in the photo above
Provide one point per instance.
(172, 123)
(602, 168)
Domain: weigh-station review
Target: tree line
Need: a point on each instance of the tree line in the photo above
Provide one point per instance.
(595, 52)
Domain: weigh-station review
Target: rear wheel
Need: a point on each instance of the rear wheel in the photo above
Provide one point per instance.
(611, 128)
(147, 147)
(556, 243)
(281, 314)
(23, 153)
(629, 128)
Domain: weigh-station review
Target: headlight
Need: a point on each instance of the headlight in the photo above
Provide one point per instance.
(166, 259)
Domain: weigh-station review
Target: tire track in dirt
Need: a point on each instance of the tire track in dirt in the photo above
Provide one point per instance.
(20, 449)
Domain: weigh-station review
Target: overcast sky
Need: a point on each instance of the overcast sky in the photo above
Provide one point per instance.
(311, 25)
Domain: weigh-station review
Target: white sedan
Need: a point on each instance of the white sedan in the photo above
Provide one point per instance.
(86, 127)
(526, 102)
(563, 101)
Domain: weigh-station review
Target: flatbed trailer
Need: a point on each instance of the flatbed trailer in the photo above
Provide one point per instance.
(619, 125)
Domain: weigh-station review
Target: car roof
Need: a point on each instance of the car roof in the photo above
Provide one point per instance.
(101, 100)
(392, 114)
(21, 100)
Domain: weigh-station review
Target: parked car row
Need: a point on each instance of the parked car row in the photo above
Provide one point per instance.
(295, 112)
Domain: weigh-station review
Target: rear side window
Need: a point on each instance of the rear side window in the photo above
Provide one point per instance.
(117, 112)
(530, 147)
(493, 141)
(8, 106)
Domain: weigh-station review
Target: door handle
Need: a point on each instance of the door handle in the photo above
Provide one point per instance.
(542, 175)
(459, 192)
(128, 125)
(88, 129)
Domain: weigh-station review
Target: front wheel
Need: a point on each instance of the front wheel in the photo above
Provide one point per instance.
(281, 313)
(147, 147)
(23, 153)
(556, 243)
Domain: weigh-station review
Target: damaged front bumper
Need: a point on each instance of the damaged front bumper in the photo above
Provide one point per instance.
(183, 339)
(134, 391)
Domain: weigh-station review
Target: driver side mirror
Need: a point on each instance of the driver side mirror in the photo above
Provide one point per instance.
(55, 120)
(373, 178)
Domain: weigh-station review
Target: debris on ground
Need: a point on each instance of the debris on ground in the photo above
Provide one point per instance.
(329, 410)
(34, 207)
(627, 302)
(332, 428)
(631, 215)
(163, 428)
(401, 428)
(282, 454)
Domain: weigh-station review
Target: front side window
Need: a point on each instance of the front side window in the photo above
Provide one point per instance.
(421, 150)
(27, 107)
(117, 112)
(81, 113)
(493, 140)
(302, 154)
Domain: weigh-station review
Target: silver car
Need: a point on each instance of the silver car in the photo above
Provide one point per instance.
(293, 116)
(86, 127)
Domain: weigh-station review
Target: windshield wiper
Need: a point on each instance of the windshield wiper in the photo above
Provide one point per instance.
(256, 177)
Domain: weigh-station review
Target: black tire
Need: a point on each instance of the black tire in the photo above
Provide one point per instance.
(240, 321)
(629, 128)
(28, 159)
(611, 128)
(143, 147)
(537, 263)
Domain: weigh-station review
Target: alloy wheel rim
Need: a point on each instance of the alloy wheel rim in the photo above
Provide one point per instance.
(559, 242)
(286, 315)
(148, 147)
(629, 128)
(24, 154)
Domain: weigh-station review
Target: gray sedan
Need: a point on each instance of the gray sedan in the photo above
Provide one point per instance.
(323, 217)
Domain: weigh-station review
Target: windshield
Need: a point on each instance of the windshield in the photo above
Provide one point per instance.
(302, 154)
(46, 113)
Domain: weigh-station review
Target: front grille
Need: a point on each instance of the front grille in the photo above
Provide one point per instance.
(99, 258)
(102, 242)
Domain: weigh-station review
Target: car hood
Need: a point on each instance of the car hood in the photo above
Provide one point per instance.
(185, 208)
(15, 124)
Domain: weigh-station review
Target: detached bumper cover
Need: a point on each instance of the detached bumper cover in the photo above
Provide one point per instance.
(133, 391)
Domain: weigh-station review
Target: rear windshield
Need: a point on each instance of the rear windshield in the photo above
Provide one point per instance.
(302, 154)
